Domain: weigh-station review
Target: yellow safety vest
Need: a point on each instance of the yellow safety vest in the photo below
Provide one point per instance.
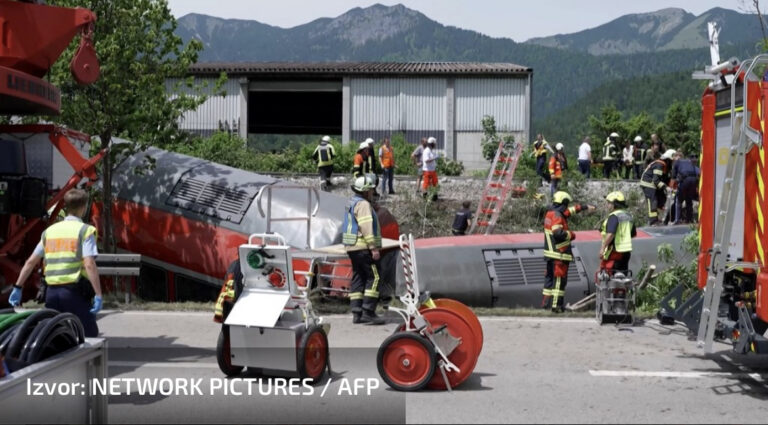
(325, 155)
(622, 240)
(63, 247)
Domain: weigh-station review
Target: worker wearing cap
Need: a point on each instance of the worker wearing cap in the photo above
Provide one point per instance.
(654, 184)
(358, 163)
(557, 249)
(640, 153)
(69, 250)
(429, 164)
(617, 232)
(610, 153)
(324, 154)
(556, 168)
(361, 236)
(540, 148)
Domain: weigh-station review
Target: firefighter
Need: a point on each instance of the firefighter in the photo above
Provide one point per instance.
(617, 232)
(362, 242)
(654, 184)
(540, 148)
(610, 153)
(324, 154)
(556, 168)
(557, 249)
(69, 250)
(685, 174)
(358, 164)
(640, 153)
(229, 293)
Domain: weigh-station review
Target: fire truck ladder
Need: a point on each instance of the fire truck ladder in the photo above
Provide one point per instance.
(743, 139)
(497, 187)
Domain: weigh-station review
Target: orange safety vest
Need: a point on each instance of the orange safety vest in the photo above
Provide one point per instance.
(387, 159)
(555, 170)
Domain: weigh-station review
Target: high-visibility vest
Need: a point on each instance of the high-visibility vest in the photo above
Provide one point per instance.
(622, 240)
(325, 155)
(608, 151)
(540, 148)
(358, 165)
(351, 226)
(63, 247)
(640, 156)
(387, 158)
(555, 168)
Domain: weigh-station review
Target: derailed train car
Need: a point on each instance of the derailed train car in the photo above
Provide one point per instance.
(188, 216)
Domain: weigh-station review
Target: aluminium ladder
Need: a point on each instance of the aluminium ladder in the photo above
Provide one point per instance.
(497, 187)
(743, 139)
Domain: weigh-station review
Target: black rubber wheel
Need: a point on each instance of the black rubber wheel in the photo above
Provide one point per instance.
(406, 361)
(312, 354)
(224, 355)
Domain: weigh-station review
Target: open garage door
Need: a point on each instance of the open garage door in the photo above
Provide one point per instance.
(294, 112)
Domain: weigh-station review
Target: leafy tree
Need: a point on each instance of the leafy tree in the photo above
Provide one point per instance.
(138, 51)
(682, 127)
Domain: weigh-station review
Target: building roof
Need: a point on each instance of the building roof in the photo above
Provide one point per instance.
(360, 68)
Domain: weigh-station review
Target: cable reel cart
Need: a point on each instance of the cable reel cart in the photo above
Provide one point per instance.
(438, 344)
(272, 325)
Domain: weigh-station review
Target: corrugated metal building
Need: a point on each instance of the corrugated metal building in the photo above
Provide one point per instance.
(356, 100)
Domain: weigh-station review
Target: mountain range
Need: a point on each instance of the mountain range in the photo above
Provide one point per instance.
(567, 67)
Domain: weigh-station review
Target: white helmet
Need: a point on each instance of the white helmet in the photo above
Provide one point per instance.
(638, 139)
(614, 134)
(363, 184)
(431, 140)
(559, 146)
(362, 146)
(368, 141)
(669, 154)
(326, 139)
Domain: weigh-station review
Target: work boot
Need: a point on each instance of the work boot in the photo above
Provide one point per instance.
(356, 315)
(370, 318)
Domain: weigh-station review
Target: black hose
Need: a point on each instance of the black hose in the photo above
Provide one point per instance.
(41, 335)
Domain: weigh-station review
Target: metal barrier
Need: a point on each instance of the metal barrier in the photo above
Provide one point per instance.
(120, 266)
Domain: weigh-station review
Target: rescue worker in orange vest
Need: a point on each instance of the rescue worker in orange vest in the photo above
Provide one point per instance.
(69, 250)
(556, 168)
(361, 236)
(617, 232)
(387, 161)
(359, 163)
(557, 249)
(654, 184)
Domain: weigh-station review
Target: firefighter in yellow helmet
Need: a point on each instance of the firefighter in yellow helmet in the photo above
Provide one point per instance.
(557, 249)
(361, 236)
(617, 232)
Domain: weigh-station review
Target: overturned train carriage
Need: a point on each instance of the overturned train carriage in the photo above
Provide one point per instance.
(187, 217)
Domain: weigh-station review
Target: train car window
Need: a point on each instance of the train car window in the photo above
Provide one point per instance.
(152, 283)
(190, 289)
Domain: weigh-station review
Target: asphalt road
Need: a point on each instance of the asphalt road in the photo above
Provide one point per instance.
(530, 370)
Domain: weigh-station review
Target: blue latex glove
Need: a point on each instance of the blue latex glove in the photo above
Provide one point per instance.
(15, 298)
(96, 304)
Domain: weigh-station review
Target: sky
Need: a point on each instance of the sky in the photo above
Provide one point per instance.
(516, 19)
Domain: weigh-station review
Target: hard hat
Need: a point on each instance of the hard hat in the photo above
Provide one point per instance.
(368, 141)
(362, 146)
(616, 196)
(363, 184)
(560, 197)
(432, 140)
(669, 154)
(559, 146)
(326, 139)
(614, 134)
(638, 139)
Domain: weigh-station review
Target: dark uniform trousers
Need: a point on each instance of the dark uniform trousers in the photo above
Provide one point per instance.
(655, 199)
(555, 283)
(541, 165)
(685, 194)
(364, 288)
(68, 299)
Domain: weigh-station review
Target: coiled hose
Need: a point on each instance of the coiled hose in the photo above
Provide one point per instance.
(29, 337)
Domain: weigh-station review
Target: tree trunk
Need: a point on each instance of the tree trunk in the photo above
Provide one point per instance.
(106, 163)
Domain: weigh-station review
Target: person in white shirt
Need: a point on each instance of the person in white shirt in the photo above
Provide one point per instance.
(429, 165)
(628, 158)
(585, 157)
